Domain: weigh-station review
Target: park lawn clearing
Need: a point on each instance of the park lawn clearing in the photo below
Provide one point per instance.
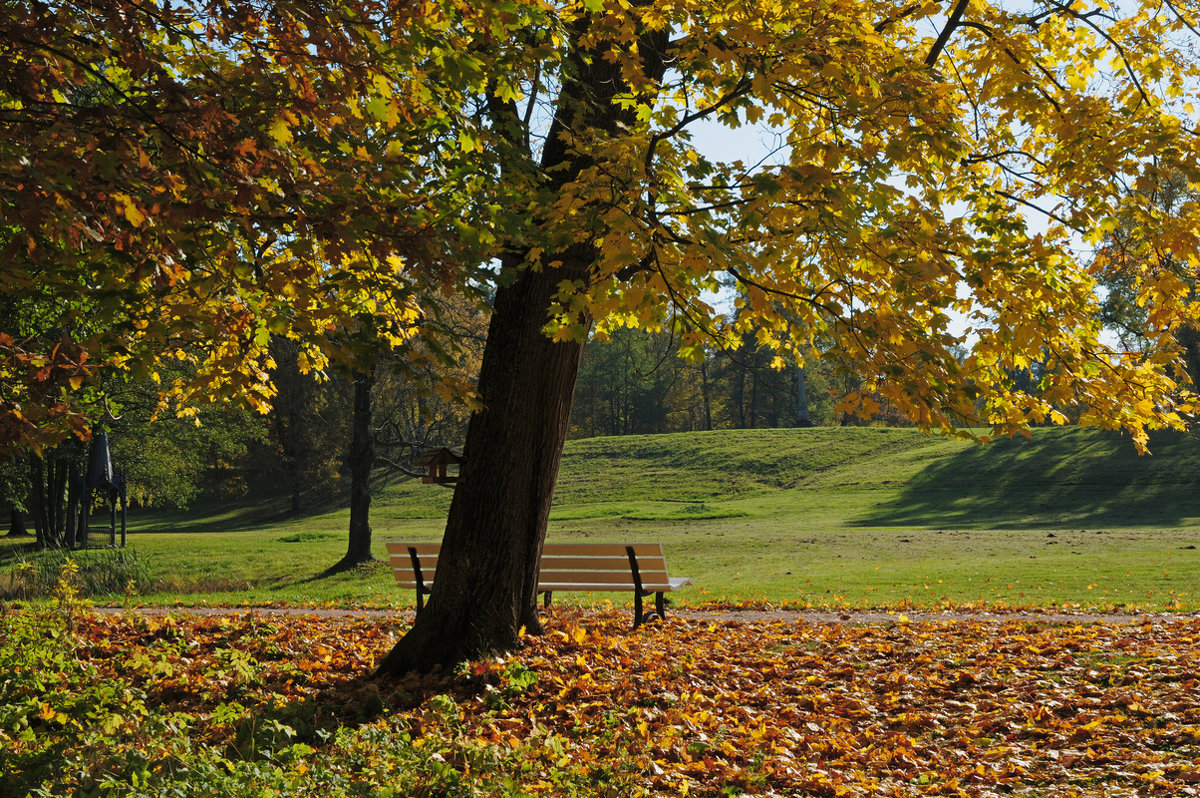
(256, 703)
(824, 518)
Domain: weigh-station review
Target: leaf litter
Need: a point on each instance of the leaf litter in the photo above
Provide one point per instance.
(701, 706)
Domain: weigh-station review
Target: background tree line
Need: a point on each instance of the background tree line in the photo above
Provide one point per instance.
(636, 382)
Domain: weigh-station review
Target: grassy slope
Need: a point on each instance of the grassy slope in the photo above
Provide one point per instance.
(823, 516)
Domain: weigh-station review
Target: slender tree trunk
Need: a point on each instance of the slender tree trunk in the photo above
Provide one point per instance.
(613, 412)
(37, 498)
(772, 399)
(705, 391)
(802, 417)
(848, 418)
(49, 506)
(57, 484)
(362, 461)
(16, 525)
(74, 491)
(754, 399)
(739, 395)
(287, 429)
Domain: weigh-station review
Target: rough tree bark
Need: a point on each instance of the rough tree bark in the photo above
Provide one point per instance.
(486, 586)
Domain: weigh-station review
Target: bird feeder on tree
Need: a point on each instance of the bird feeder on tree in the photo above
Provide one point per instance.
(438, 462)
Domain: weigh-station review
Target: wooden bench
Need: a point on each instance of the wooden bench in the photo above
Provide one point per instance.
(638, 567)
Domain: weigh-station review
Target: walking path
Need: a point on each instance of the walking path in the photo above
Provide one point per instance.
(736, 615)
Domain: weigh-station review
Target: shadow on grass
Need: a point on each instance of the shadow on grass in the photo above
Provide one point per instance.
(343, 567)
(266, 509)
(227, 516)
(1060, 479)
(16, 549)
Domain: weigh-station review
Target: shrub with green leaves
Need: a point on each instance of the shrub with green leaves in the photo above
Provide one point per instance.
(99, 573)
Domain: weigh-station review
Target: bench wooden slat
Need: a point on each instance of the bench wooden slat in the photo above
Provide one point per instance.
(602, 549)
(401, 560)
(579, 587)
(562, 563)
(551, 549)
(429, 564)
(669, 585)
(654, 581)
(602, 577)
(423, 549)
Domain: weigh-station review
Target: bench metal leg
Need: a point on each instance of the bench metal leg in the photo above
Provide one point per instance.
(546, 597)
(660, 605)
(419, 577)
(635, 572)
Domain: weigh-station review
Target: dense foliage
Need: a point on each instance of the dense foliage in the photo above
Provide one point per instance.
(182, 182)
(206, 176)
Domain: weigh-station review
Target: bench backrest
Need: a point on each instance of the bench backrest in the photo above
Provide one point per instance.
(565, 566)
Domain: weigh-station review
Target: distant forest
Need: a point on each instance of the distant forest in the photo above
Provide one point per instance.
(636, 383)
(633, 383)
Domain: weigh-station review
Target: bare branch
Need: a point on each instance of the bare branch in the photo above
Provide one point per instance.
(947, 32)
(1039, 209)
(904, 13)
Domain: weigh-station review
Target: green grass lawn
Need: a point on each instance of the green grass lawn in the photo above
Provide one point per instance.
(828, 517)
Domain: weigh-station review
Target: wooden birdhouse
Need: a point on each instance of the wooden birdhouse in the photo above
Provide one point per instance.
(438, 461)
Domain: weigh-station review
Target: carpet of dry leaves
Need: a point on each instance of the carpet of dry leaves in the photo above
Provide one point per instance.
(708, 707)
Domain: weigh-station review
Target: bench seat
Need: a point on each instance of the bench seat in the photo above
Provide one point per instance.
(640, 568)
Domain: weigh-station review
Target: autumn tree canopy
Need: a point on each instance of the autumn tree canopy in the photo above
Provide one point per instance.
(180, 182)
(934, 162)
(186, 180)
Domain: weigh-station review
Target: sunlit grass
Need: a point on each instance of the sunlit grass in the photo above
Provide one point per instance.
(822, 517)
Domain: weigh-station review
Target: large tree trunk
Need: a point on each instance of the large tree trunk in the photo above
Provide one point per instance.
(486, 586)
(362, 461)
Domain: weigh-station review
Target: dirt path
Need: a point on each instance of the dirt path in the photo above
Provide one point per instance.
(737, 615)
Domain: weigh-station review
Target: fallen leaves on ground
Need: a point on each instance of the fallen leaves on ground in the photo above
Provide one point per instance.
(962, 708)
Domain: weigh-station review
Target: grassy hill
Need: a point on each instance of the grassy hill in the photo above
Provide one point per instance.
(867, 477)
(826, 516)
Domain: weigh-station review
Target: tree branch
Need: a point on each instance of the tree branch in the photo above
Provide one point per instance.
(1038, 208)
(906, 12)
(947, 32)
